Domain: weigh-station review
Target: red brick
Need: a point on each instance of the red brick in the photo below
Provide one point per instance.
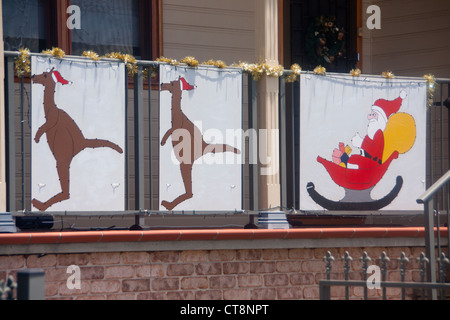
(359, 292)
(221, 282)
(46, 261)
(65, 291)
(73, 259)
(395, 252)
(311, 293)
(165, 256)
(374, 252)
(180, 295)
(91, 273)
(122, 296)
(275, 254)
(135, 257)
(194, 256)
(56, 274)
(150, 270)
(12, 262)
(302, 279)
(263, 294)
(222, 255)
(235, 267)
(288, 266)
(105, 258)
(180, 269)
(262, 267)
(105, 286)
(208, 295)
(164, 284)
(119, 272)
(249, 254)
(236, 294)
(194, 283)
(289, 293)
(320, 253)
(151, 296)
(313, 266)
(276, 280)
(208, 268)
(92, 297)
(51, 288)
(245, 281)
(136, 285)
(301, 254)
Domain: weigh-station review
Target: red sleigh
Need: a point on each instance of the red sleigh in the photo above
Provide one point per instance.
(358, 183)
(357, 179)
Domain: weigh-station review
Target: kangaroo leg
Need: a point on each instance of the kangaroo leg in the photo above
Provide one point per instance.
(98, 143)
(218, 148)
(186, 174)
(64, 177)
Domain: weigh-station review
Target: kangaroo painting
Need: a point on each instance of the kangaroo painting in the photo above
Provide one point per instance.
(187, 140)
(63, 135)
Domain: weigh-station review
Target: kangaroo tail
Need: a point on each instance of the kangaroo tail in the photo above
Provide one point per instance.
(99, 143)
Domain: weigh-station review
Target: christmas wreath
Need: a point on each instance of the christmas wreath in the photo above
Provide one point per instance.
(324, 41)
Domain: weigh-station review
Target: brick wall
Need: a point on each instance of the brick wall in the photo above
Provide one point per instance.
(206, 274)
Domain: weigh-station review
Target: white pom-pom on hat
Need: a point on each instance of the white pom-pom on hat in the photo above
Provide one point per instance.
(403, 94)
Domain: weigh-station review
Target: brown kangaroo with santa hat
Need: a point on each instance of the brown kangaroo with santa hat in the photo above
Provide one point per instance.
(187, 140)
(64, 137)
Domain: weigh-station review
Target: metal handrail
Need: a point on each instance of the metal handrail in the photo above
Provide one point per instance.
(431, 191)
(325, 286)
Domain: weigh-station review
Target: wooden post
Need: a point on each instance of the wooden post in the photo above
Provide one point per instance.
(266, 47)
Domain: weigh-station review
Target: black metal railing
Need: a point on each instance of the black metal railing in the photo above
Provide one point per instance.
(433, 239)
(378, 278)
(142, 144)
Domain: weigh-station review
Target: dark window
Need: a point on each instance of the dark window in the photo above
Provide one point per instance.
(312, 45)
(107, 26)
(127, 26)
(24, 25)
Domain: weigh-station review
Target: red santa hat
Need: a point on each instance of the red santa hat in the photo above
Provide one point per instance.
(185, 85)
(386, 108)
(58, 78)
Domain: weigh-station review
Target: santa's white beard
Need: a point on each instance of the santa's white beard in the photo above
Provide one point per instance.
(374, 126)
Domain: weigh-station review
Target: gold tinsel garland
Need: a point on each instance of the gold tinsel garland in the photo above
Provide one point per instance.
(22, 65)
(296, 71)
(172, 62)
(128, 59)
(22, 62)
(431, 87)
(91, 54)
(56, 52)
(190, 61)
(219, 63)
(320, 70)
(388, 74)
(262, 69)
(355, 72)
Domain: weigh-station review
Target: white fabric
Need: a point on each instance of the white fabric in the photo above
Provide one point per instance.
(333, 108)
(215, 107)
(96, 102)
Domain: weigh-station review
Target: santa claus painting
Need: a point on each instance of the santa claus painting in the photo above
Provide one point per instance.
(359, 167)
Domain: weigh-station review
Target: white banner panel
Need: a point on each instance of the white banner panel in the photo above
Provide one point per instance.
(362, 143)
(78, 135)
(200, 139)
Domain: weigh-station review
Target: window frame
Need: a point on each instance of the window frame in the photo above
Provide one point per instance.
(58, 35)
